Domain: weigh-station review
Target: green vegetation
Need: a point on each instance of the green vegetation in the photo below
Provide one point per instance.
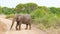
(9, 16)
(44, 17)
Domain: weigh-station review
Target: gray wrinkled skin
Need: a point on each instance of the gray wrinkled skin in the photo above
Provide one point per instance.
(22, 19)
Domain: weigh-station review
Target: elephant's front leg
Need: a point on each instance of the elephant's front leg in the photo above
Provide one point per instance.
(16, 26)
(19, 25)
(26, 26)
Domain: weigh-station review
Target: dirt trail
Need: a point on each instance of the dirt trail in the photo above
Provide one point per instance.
(34, 30)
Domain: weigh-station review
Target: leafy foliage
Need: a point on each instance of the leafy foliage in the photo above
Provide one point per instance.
(27, 8)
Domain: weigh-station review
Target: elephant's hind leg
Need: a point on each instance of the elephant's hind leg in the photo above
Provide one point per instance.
(29, 26)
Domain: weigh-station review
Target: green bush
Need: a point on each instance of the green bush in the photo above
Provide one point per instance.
(47, 19)
(10, 16)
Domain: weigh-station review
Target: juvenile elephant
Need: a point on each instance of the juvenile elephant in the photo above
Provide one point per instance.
(22, 19)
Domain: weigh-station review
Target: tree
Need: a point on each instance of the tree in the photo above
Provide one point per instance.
(6, 10)
(26, 7)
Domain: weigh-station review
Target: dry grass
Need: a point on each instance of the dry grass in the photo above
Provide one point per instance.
(53, 31)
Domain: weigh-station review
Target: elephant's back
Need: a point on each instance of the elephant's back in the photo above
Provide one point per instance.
(23, 17)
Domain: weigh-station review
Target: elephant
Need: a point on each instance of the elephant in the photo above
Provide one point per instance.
(22, 19)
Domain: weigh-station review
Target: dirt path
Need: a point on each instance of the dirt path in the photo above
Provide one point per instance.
(34, 30)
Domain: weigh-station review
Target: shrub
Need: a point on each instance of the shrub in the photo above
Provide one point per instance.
(47, 19)
(9, 16)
